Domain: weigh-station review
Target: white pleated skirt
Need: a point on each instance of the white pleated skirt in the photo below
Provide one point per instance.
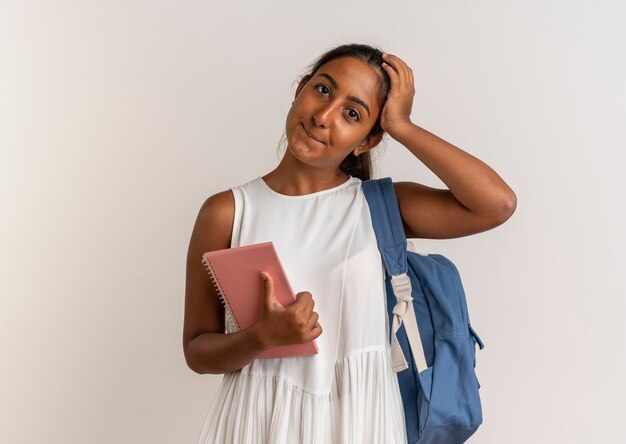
(364, 406)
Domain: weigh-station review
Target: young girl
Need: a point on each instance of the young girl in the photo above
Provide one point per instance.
(311, 206)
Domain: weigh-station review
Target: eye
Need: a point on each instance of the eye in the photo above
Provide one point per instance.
(356, 112)
(322, 85)
(357, 115)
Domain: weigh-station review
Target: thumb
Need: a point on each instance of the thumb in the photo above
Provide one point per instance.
(268, 283)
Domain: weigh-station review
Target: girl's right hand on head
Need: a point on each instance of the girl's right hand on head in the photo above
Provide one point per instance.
(279, 325)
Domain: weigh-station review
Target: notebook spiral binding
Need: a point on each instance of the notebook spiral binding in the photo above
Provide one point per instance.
(219, 290)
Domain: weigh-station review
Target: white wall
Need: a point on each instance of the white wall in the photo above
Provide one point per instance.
(118, 119)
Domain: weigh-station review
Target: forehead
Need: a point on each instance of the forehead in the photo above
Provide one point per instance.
(353, 78)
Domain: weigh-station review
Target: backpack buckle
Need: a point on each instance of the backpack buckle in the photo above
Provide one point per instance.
(401, 284)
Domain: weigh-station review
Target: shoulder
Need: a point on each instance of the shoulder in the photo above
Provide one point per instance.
(215, 219)
(219, 205)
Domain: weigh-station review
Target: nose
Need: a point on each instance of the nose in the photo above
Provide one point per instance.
(323, 115)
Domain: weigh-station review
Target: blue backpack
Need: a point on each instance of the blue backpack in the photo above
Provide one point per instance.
(433, 345)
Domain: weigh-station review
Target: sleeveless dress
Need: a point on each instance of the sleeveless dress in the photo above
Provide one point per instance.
(347, 393)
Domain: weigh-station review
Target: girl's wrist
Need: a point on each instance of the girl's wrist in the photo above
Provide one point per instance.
(256, 338)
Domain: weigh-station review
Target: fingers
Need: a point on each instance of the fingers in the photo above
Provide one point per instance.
(398, 65)
(317, 330)
(305, 301)
(398, 70)
(310, 304)
(393, 75)
(313, 320)
(303, 298)
(308, 307)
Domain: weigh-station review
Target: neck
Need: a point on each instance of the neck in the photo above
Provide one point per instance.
(293, 177)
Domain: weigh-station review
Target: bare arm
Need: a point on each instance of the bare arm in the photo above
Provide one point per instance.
(218, 353)
(206, 347)
(477, 199)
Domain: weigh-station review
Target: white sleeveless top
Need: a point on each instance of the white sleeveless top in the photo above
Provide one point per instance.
(348, 392)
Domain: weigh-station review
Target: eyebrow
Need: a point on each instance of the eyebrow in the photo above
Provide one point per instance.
(354, 99)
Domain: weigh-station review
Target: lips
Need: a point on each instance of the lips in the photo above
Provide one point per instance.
(307, 133)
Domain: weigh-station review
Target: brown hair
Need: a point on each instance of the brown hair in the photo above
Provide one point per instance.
(359, 166)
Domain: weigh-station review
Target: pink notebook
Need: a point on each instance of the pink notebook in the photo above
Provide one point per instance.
(236, 274)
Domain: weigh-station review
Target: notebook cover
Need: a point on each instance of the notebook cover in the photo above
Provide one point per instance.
(236, 273)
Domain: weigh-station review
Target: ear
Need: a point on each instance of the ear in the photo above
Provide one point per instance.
(301, 84)
(368, 143)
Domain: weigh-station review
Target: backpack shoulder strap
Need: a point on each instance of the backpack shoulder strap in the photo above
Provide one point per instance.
(392, 243)
(387, 223)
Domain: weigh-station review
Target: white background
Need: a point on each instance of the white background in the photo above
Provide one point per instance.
(119, 118)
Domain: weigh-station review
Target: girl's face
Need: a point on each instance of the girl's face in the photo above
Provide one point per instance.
(333, 112)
